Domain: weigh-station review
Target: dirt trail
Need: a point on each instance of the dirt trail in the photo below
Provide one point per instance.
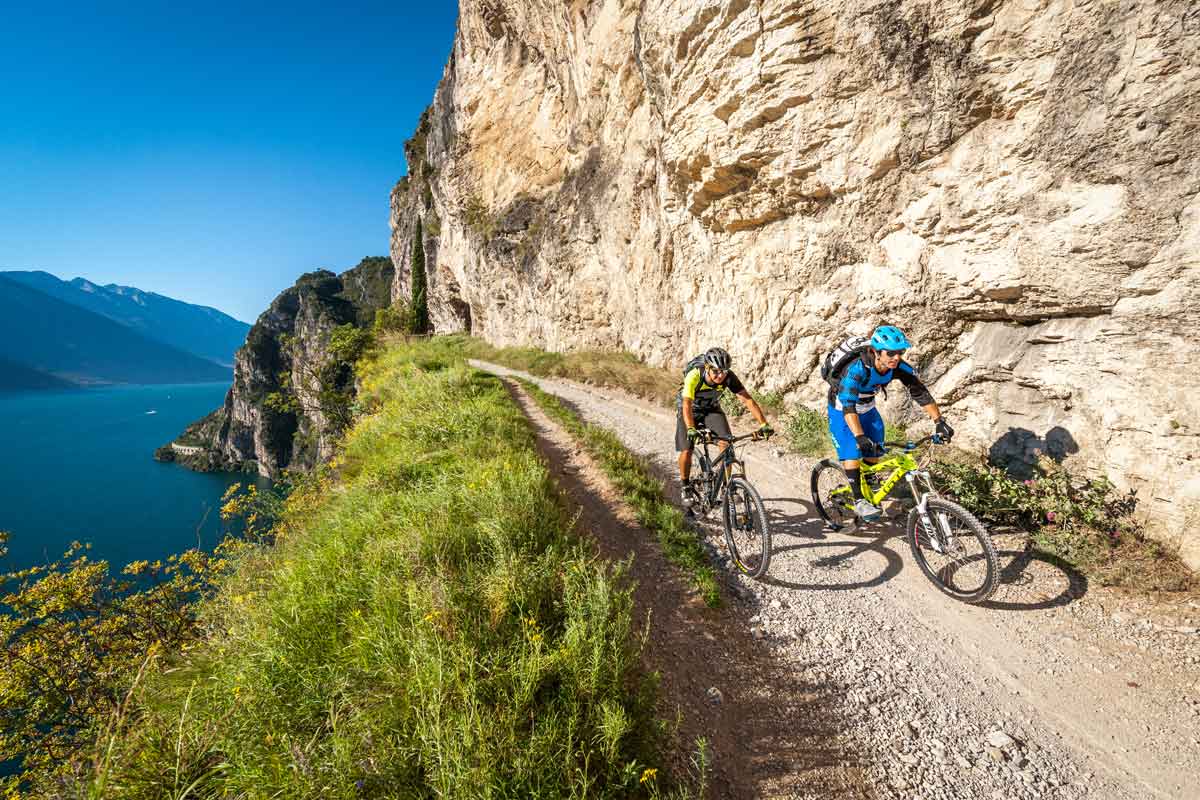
(1053, 689)
(769, 733)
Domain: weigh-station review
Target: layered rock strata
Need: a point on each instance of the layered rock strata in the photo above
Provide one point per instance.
(272, 418)
(1014, 182)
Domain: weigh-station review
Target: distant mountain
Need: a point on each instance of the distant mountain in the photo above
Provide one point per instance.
(45, 342)
(18, 377)
(199, 330)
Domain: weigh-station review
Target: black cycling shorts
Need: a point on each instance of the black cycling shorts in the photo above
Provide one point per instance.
(714, 421)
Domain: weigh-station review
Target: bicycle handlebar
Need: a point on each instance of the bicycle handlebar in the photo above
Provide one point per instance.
(910, 446)
(709, 436)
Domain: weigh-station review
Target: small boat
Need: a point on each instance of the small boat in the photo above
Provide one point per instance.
(152, 411)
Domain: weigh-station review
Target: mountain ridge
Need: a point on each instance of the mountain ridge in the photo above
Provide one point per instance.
(200, 330)
(50, 343)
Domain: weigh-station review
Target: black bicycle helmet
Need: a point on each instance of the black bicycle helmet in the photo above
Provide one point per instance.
(717, 358)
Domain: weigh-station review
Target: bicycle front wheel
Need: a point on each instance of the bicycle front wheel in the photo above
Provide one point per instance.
(831, 494)
(957, 554)
(747, 532)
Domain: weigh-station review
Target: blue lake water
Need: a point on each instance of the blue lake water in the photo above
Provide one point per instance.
(79, 465)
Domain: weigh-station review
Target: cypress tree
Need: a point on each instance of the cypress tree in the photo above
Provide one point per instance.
(418, 305)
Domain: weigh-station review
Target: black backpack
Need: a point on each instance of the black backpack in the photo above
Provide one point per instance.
(833, 366)
(698, 361)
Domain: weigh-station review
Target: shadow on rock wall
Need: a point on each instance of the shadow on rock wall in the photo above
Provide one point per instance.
(1017, 450)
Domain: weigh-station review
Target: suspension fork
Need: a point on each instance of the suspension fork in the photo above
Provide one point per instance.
(939, 534)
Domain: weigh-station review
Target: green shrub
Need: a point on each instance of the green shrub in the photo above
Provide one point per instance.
(770, 402)
(1085, 521)
(392, 319)
(894, 433)
(808, 432)
(76, 636)
(479, 218)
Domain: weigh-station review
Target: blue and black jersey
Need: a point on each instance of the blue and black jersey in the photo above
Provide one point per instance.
(856, 392)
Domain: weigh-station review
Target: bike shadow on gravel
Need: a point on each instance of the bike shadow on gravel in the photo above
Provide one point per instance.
(1034, 581)
(831, 552)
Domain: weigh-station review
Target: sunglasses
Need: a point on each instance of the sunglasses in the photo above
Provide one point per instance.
(893, 353)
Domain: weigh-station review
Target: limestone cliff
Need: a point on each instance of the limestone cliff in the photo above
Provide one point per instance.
(1012, 181)
(273, 417)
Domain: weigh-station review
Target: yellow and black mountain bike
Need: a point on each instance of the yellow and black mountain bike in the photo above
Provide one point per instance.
(951, 547)
(722, 482)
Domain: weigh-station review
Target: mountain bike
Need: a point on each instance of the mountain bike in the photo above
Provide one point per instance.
(723, 483)
(951, 547)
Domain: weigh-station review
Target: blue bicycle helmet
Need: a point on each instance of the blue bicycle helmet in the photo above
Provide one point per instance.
(889, 337)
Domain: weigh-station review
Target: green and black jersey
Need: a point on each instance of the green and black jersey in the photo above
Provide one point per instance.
(703, 394)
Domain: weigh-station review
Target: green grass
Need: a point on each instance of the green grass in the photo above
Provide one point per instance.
(425, 626)
(808, 432)
(770, 402)
(641, 490)
(617, 369)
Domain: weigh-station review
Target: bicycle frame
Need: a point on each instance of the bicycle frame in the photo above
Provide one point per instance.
(721, 468)
(904, 467)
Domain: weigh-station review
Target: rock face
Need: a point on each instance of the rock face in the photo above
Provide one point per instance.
(273, 416)
(1012, 182)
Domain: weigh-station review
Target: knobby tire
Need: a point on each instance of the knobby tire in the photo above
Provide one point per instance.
(972, 529)
(741, 497)
(831, 473)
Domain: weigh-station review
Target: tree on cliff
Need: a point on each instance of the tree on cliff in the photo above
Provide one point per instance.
(420, 309)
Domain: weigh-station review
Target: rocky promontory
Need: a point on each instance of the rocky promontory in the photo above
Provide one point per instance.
(274, 416)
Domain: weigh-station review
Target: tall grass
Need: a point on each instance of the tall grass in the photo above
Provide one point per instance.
(613, 368)
(640, 489)
(425, 626)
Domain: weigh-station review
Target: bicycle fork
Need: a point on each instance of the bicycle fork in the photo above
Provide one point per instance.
(936, 527)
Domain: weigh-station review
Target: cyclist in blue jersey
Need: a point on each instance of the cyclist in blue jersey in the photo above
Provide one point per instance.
(854, 421)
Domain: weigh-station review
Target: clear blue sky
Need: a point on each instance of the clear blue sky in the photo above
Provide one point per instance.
(212, 151)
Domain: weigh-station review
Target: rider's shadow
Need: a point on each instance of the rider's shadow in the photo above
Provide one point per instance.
(1032, 581)
(790, 516)
(828, 552)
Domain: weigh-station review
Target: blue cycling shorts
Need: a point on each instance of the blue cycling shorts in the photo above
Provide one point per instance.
(843, 439)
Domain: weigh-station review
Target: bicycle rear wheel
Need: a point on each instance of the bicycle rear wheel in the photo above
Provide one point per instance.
(831, 494)
(959, 557)
(747, 532)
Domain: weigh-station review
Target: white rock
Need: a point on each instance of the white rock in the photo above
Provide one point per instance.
(1000, 739)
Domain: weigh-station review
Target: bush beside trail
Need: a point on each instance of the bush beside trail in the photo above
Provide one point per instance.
(424, 625)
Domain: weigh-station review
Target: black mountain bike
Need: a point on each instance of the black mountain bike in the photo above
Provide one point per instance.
(723, 483)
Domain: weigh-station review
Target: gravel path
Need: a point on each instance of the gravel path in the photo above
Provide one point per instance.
(1051, 690)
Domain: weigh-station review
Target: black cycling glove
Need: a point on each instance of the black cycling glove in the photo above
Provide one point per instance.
(868, 448)
(943, 429)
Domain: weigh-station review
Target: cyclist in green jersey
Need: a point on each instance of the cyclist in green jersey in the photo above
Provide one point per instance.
(698, 406)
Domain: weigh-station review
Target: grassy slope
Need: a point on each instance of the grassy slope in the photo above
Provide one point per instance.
(425, 626)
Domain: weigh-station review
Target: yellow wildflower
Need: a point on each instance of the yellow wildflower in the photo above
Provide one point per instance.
(649, 774)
